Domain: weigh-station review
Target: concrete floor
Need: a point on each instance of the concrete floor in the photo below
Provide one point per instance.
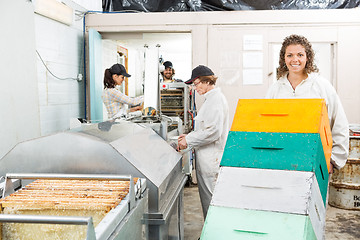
(340, 224)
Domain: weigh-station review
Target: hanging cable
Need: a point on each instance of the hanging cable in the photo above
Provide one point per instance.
(77, 79)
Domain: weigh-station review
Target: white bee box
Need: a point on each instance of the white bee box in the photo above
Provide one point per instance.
(283, 191)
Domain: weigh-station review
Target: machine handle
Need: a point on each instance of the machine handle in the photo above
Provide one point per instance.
(67, 176)
(44, 219)
(90, 235)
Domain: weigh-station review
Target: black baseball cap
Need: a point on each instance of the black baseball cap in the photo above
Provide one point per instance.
(119, 69)
(168, 64)
(199, 71)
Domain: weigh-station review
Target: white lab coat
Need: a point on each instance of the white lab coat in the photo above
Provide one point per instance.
(316, 86)
(208, 139)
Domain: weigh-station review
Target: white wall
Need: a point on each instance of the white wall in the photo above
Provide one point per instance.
(91, 5)
(32, 101)
(62, 49)
(217, 36)
(232, 43)
(19, 103)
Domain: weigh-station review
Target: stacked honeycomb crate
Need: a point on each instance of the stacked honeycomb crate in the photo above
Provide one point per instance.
(274, 172)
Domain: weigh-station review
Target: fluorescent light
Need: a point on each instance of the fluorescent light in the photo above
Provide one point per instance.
(55, 10)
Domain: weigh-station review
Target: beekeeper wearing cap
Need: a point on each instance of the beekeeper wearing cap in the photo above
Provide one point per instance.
(168, 73)
(118, 104)
(210, 133)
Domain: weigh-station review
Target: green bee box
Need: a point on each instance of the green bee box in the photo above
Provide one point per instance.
(236, 224)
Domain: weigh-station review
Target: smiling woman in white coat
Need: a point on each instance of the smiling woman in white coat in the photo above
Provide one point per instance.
(210, 133)
(298, 77)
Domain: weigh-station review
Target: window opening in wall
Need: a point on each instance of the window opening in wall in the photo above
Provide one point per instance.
(133, 51)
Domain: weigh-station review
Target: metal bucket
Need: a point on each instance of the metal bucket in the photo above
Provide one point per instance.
(344, 187)
(354, 147)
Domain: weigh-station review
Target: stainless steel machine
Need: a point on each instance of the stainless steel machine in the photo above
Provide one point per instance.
(119, 147)
(175, 102)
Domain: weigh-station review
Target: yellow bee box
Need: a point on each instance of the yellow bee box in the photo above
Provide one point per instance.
(285, 115)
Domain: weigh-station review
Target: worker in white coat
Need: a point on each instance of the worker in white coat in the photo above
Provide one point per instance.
(210, 133)
(298, 78)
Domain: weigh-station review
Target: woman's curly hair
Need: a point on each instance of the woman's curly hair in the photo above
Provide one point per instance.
(310, 55)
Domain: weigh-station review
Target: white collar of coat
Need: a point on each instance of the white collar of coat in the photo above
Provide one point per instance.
(311, 77)
(211, 92)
